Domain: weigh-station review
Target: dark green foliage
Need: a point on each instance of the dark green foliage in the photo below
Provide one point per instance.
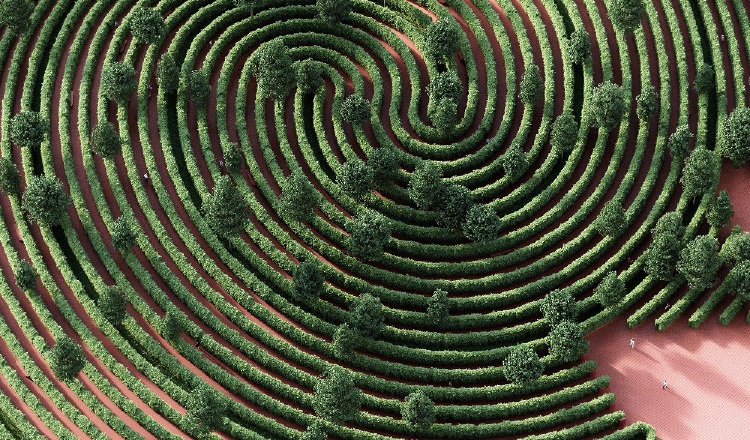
(735, 137)
(245, 3)
(105, 140)
(118, 81)
(28, 129)
(700, 262)
(309, 75)
(355, 110)
(308, 280)
(441, 38)
(199, 91)
(334, 11)
(669, 223)
(736, 248)
(455, 203)
(171, 324)
(704, 79)
(336, 398)
(611, 290)
(16, 14)
(384, 166)
(123, 235)
(366, 315)
(355, 178)
(233, 157)
(272, 66)
(579, 46)
(45, 201)
(315, 432)
(482, 223)
(720, 211)
(438, 307)
(66, 358)
(426, 185)
(532, 86)
(626, 15)
(226, 211)
(611, 221)
(206, 408)
(368, 234)
(445, 85)
(147, 25)
(345, 339)
(10, 180)
(25, 275)
(515, 162)
(701, 172)
(112, 304)
(418, 410)
(607, 105)
(522, 365)
(739, 279)
(679, 141)
(298, 196)
(443, 114)
(566, 341)
(167, 73)
(558, 306)
(647, 103)
(661, 257)
(564, 134)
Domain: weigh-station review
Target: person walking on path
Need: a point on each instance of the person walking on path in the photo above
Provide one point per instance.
(632, 342)
(664, 384)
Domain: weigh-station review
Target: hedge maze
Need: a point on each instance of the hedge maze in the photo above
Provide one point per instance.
(299, 219)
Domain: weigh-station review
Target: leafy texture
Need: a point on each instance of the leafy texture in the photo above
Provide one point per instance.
(366, 315)
(558, 306)
(515, 162)
(679, 141)
(482, 223)
(647, 103)
(105, 140)
(426, 185)
(334, 11)
(735, 137)
(147, 25)
(112, 304)
(720, 211)
(206, 408)
(66, 358)
(368, 234)
(705, 81)
(309, 75)
(272, 65)
(532, 87)
(16, 15)
(441, 38)
(25, 275)
(355, 178)
(45, 201)
(611, 221)
(579, 46)
(355, 110)
(298, 196)
(167, 73)
(123, 235)
(700, 262)
(566, 341)
(118, 81)
(607, 105)
(384, 165)
(455, 203)
(610, 291)
(438, 306)
(28, 129)
(700, 173)
(10, 180)
(564, 134)
(522, 365)
(336, 398)
(626, 14)
(199, 91)
(308, 280)
(418, 410)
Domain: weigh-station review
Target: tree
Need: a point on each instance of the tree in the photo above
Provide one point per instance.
(171, 324)
(679, 141)
(438, 307)
(10, 180)
(25, 275)
(118, 81)
(368, 234)
(700, 173)
(522, 365)
(661, 257)
(426, 185)
(532, 86)
(441, 38)
(147, 25)
(626, 14)
(298, 196)
(704, 79)
(720, 211)
(45, 201)
(232, 157)
(558, 306)
(308, 280)
(206, 408)
(112, 304)
(418, 410)
(123, 235)
(355, 110)
(315, 432)
(105, 140)
(366, 315)
(739, 279)
(647, 103)
(16, 15)
(28, 129)
(167, 73)
(455, 203)
(736, 247)
(336, 398)
(579, 46)
(66, 358)
(482, 223)
(443, 114)
(334, 11)
(355, 178)
(309, 75)
(566, 341)
(669, 223)
(345, 339)
(445, 85)
(564, 134)
(515, 162)
(226, 211)
(384, 166)
(272, 65)
(611, 221)
(735, 137)
(611, 290)
(607, 105)
(199, 91)
(700, 262)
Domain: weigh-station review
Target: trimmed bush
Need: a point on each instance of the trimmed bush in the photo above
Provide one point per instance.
(532, 86)
(558, 306)
(10, 179)
(700, 262)
(455, 203)
(679, 141)
(199, 91)
(206, 408)
(647, 103)
(736, 247)
(118, 81)
(418, 410)
(105, 140)
(272, 65)
(123, 235)
(309, 75)
(233, 159)
(739, 279)
(147, 25)
(308, 280)
(438, 306)
(368, 234)
(298, 196)
(441, 38)
(426, 185)
(611, 221)
(226, 211)
(704, 79)
(366, 315)
(482, 223)
(515, 163)
(720, 210)
(171, 325)
(168, 74)
(700, 173)
(66, 358)
(610, 291)
(25, 275)
(384, 166)
(564, 135)
(336, 399)
(566, 341)
(28, 129)
(345, 339)
(607, 106)
(735, 137)
(315, 432)
(661, 257)
(443, 114)
(355, 110)
(522, 365)
(45, 201)
(334, 11)
(15, 14)
(444, 85)
(355, 178)
(626, 14)
(112, 304)
(579, 46)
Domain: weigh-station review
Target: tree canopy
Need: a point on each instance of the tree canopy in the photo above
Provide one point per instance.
(438, 306)
(564, 133)
(366, 315)
(455, 203)
(336, 398)
(226, 211)
(16, 15)
(443, 114)
(118, 81)
(355, 178)
(315, 432)
(611, 290)
(611, 221)
(704, 79)
(308, 280)
(558, 306)
(147, 25)
(272, 65)
(45, 201)
(566, 341)
(647, 103)
(522, 365)
(309, 75)
(112, 304)
(445, 85)
(626, 14)
(206, 408)
(679, 141)
(199, 91)
(700, 173)
(355, 109)
(482, 223)
(25, 275)
(418, 410)
(426, 185)
(579, 46)
(384, 165)
(607, 105)
(369, 231)
(441, 38)
(28, 129)
(123, 235)
(735, 137)
(515, 163)
(167, 73)
(700, 262)
(298, 196)
(10, 179)
(105, 140)
(232, 157)
(532, 86)
(334, 11)
(720, 210)
(66, 358)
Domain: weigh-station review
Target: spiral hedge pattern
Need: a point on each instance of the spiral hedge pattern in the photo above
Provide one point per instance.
(244, 332)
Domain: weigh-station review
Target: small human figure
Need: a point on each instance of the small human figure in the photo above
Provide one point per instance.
(632, 342)
(722, 38)
(221, 163)
(117, 23)
(667, 306)
(29, 378)
(145, 178)
(488, 141)
(197, 343)
(664, 384)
